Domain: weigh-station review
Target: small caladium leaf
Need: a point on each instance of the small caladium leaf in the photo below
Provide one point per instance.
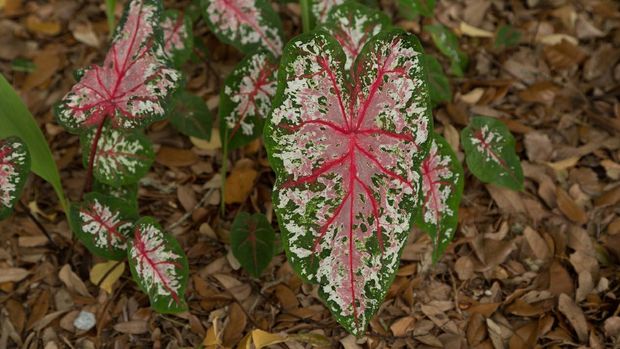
(178, 36)
(448, 44)
(246, 97)
(134, 81)
(191, 116)
(159, 266)
(14, 170)
(352, 25)
(419, 7)
(438, 81)
(104, 224)
(252, 241)
(127, 193)
(490, 153)
(245, 24)
(346, 151)
(121, 158)
(442, 188)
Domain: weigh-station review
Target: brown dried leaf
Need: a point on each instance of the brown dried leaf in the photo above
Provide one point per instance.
(72, 281)
(541, 92)
(240, 182)
(564, 55)
(174, 157)
(237, 320)
(12, 274)
(569, 208)
(132, 327)
(575, 316)
(536, 243)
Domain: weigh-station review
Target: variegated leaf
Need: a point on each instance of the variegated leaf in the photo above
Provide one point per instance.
(131, 86)
(121, 158)
(103, 224)
(245, 24)
(159, 266)
(14, 169)
(252, 242)
(346, 153)
(178, 36)
(442, 188)
(490, 153)
(353, 24)
(246, 99)
(448, 44)
(191, 116)
(320, 9)
(127, 193)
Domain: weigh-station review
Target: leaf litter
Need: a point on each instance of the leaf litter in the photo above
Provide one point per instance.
(526, 269)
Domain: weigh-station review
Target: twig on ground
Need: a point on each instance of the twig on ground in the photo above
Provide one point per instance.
(38, 224)
(189, 214)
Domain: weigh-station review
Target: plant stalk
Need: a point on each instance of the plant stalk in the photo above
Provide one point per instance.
(223, 171)
(110, 8)
(88, 182)
(305, 15)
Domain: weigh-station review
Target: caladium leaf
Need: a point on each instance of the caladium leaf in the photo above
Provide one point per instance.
(346, 154)
(191, 116)
(159, 266)
(245, 24)
(442, 188)
(252, 242)
(131, 86)
(448, 44)
(121, 157)
(352, 25)
(490, 153)
(127, 193)
(178, 37)
(246, 98)
(419, 7)
(103, 224)
(438, 81)
(320, 9)
(14, 170)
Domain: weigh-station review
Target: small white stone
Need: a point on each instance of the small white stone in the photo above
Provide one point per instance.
(85, 321)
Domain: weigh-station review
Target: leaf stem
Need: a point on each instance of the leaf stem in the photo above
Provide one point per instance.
(109, 11)
(305, 15)
(223, 172)
(88, 182)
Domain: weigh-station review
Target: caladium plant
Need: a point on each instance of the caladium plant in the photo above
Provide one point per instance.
(246, 98)
(120, 157)
(252, 242)
(14, 170)
(346, 149)
(353, 25)
(245, 24)
(190, 115)
(442, 188)
(131, 87)
(159, 266)
(490, 153)
(104, 224)
(320, 10)
(178, 36)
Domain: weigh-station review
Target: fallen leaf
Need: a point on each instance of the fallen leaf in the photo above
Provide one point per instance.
(569, 208)
(132, 327)
(538, 146)
(541, 92)
(237, 321)
(470, 30)
(564, 55)
(47, 63)
(575, 316)
(12, 274)
(213, 144)
(112, 270)
(175, 157)
(37, 26)
(240, 182)
(85, 34)
(72, 281)
(536, 243)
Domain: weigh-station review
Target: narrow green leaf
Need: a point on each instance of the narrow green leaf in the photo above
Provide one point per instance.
(246, 98)
(16, 120)
(190, 115)
(252, 241)
(178, 36)
(442, 188)
(419, 7)
(122, 157)
(490, 153)
(14, 170)
(23, 65)
(103, 224)
(109, 12)
(159, 266)
(448, 44)
(439, 83)
(507, 36)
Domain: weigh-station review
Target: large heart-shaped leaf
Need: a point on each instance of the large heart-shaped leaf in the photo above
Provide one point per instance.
(252, 242)
(131, 86)
(246, 97)
(14, 169)
(353, 24)
(121, 157)
(178, 37)
(345, 152)
(245, 24)
(490, 153)
(442, 187)
(191, 116)
(103, 224)
(448, 44)
(159, 266)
